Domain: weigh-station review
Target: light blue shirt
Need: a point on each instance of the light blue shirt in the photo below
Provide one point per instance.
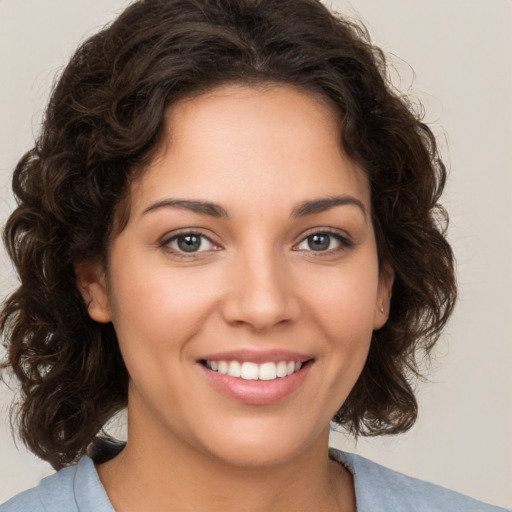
(378, 489)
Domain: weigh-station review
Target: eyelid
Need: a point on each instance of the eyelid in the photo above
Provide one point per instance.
(173, 235)
(343, 238)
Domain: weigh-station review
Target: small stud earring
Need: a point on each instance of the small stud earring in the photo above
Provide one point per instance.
(381, 309)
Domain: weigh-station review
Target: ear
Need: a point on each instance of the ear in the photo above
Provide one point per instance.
(386, 279)
(91, 282)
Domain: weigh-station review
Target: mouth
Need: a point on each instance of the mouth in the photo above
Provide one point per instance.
(253, 379)
(249, 370)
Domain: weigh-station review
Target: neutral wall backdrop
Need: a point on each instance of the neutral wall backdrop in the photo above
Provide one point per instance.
(461, 52)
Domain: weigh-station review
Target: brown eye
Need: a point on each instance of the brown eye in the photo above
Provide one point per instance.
(324, 241)
(319, 242)
(189, 243)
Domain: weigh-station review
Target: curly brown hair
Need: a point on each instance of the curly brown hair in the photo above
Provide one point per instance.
(104, 121)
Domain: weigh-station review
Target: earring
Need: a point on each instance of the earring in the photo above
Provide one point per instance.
(381, 309)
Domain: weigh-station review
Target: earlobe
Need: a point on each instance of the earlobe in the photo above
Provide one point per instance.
(386, 279)
(91, 282)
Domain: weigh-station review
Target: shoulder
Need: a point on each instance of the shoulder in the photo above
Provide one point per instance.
(380, 488)
(72, 489)
(56, 489)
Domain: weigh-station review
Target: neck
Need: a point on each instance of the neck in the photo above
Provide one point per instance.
(172, 475)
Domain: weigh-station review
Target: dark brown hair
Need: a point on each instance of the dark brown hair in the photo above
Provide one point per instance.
(104, 120)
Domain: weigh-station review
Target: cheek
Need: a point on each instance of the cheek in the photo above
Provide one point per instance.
(342, 306)
(344, 298)
(161, 307)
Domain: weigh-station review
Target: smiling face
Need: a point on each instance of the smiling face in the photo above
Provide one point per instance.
(245, 286)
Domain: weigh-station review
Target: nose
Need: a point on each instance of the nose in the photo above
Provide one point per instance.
(261, 294)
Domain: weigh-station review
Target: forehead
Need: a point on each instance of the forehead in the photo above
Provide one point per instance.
(276, 143)
(264, 112)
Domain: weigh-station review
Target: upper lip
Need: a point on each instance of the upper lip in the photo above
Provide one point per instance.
(257, 356)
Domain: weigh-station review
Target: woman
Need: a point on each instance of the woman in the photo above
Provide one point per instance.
(223, 228)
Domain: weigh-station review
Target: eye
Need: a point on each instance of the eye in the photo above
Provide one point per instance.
(189, 243)
(323, 241)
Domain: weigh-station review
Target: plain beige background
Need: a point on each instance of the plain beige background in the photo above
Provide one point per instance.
(461, 51)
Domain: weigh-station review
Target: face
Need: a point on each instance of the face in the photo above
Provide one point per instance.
(245, 287)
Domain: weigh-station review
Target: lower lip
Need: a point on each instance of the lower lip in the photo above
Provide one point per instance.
(256, 392)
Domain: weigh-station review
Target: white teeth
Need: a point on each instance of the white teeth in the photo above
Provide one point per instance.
(234, 369)
(254, 371)
(281, 369)
(267, 371)
(249, 371)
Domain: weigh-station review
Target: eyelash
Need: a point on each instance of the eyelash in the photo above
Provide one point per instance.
(166, 244)
(345, 242)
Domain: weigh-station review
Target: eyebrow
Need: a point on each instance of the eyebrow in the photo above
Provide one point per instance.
(196, 206)
(303, 209)
(324, 204)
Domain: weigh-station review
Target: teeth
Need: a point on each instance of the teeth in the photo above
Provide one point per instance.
(281, 369)
(254, 371)
(267, 371)
(234, 369)
(249, 371)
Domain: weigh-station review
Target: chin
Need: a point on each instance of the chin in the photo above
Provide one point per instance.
(252, 445)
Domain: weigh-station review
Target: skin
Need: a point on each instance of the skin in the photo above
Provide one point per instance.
(256, 285)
